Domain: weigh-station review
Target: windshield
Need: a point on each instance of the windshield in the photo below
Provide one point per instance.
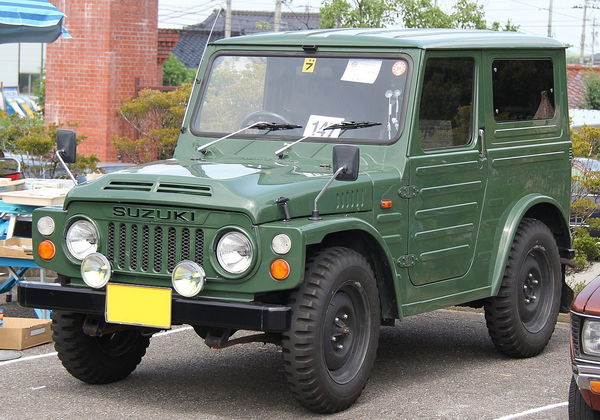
(313, 92)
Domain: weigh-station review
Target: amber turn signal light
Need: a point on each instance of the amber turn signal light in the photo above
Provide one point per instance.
(280, 269)
(595, 387)
(386, 204)
(46, 250)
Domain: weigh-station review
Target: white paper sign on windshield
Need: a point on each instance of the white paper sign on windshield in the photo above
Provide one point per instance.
(316, 123)
(362, 71)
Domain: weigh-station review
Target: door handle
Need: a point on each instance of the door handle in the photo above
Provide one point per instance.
(481, 143)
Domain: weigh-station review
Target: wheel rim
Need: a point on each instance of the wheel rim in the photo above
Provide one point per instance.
(536, 289)
(346, 332)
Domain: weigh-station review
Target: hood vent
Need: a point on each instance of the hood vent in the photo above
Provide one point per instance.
(129, 186)
(186, 189)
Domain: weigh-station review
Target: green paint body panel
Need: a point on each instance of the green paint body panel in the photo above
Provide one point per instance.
(444, 241)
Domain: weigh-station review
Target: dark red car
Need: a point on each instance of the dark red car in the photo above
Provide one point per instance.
(584, 393)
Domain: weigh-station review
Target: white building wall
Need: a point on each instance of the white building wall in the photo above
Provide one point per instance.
(9, 64)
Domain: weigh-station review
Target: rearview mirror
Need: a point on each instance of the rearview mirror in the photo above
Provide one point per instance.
(348, 157)
(66, 145)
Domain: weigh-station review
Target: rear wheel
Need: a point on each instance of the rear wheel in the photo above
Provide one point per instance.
(521, 318)
(96, 360)
(578, 409)
(330, 349)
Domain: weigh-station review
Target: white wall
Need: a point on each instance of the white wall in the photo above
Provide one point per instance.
(9, 64)
(31, 61)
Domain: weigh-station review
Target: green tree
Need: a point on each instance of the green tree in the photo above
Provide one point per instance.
(156, 116)
(592, 91)
(175, 73)
(359, 13)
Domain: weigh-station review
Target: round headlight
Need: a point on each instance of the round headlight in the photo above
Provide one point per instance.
(281, 244)
(45, 225)
(95, 270)
(234, 252)
(188, 278)
(82, 239)
(590, 337)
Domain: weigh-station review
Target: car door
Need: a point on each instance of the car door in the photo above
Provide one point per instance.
(447, 169)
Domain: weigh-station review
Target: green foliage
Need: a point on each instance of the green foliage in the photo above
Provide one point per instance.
(156, 116)
(359, 13)
(465, 14)
(40, 90)
(592, 91)
(175, 73)
(586, 141)
(34, 143)
(586, 248)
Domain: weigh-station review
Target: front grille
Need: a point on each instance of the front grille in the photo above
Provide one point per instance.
(143, 248)
(575, 332)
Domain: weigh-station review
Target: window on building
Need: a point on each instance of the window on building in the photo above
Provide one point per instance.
(523, 89)
(446, 110)
(28, 82)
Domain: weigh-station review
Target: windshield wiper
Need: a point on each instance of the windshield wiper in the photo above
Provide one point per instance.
(351, 125)
(260, 125)
(344, 125)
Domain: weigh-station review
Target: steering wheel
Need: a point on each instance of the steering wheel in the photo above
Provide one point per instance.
(266, 116)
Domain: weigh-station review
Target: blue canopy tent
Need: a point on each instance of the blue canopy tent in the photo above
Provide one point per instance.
(30, 21)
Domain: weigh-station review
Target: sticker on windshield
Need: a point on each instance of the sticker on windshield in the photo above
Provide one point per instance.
(362, 71)
(399, 68)
(316, 124)
(309, 65)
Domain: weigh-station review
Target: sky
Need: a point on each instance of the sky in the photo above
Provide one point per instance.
(530, 15)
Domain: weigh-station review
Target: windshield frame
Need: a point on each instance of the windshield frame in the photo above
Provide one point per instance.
(280, 135)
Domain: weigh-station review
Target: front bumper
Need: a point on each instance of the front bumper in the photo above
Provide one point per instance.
(206, 312)
(583, 374)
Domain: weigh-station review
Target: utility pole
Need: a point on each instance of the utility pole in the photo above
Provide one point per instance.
(228, 18)
(593, 39)
(550, 19)
(277, 20)
(582, 46)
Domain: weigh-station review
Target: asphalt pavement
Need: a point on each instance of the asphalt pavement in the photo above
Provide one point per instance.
(437, 365)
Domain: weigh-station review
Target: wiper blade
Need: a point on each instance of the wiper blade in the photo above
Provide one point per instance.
(260, 125)
(271, 126)
(351, 125)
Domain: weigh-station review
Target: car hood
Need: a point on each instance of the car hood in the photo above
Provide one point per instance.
(250, 188)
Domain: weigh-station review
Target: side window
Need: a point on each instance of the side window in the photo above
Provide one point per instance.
(446, 110)
(523, 90)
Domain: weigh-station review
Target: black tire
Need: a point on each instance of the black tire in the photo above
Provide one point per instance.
(521, 318)
(330, 349)
(96, 360)
(578, 409)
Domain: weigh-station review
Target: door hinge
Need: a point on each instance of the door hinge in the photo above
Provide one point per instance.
(407, 261)
(408, 191)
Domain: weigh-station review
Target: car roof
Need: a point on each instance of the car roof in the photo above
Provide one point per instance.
(409, 38)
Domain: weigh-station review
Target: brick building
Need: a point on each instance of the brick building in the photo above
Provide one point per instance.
(89, 76)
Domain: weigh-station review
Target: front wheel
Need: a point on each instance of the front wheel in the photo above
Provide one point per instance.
(521, 318)
(330, 349)
(96, 360)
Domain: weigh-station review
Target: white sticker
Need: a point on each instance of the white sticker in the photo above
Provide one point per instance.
(362, 71)
(37, 331)
(316, 123)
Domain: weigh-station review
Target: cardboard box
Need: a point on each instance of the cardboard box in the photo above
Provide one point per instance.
(17, 248)
(23, 333)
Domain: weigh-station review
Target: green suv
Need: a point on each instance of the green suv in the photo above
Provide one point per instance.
(326, 183)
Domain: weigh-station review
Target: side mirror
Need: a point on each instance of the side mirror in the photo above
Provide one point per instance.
(66, 145)
(348, 157)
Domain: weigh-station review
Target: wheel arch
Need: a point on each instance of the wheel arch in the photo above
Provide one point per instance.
(543, 208)
(366, 242)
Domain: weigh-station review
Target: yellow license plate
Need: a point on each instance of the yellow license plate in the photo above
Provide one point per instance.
(138, 305)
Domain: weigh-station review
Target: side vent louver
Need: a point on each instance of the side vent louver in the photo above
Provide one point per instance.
(187, 189)
(129, 186)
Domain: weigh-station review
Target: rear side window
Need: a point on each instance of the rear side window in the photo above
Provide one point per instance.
(446, 110)
(523, 90)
